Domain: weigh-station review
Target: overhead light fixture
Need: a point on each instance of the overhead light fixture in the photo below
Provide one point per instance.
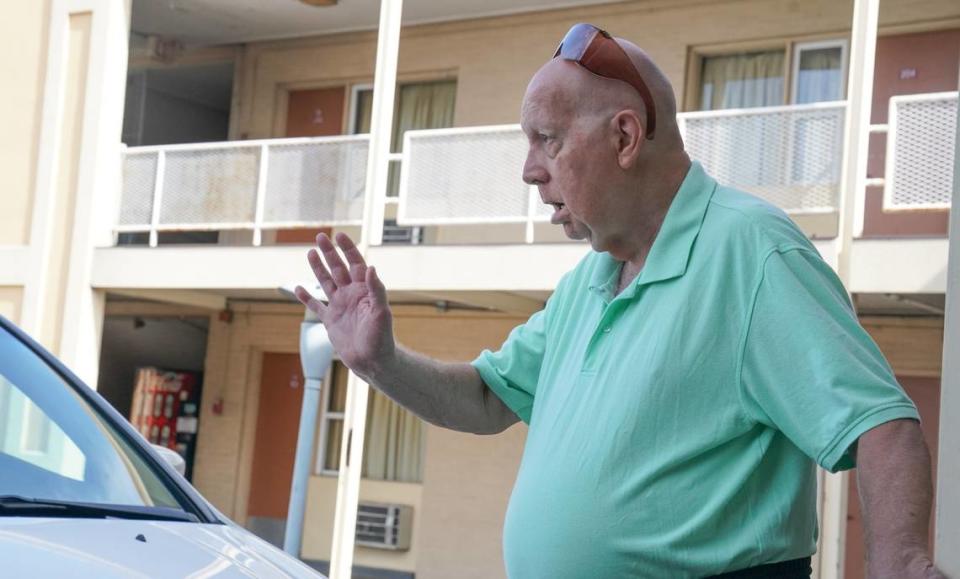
(320, 2)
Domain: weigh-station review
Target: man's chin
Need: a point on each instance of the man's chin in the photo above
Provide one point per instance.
(575, 233)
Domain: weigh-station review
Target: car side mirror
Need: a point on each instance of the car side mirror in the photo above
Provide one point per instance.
(172, 458)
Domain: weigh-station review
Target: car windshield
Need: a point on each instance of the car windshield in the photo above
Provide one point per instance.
(54, 446)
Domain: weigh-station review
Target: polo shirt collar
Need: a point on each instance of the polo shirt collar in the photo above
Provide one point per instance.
(671, 249)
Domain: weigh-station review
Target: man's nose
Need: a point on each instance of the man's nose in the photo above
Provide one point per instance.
(533, 172)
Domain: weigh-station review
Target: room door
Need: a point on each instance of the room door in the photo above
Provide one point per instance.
(312, 113)
(278, 423)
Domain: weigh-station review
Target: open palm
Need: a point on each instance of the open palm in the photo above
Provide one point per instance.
(357, 316)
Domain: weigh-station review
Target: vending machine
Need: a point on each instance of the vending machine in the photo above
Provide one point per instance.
(166, 410)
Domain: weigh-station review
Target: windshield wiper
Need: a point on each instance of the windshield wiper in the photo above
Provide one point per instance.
(18, 506)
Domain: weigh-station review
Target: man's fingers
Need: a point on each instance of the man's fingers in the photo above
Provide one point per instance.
(338, 271)
(311, 302)
(377, 289)
(358, 267)
(323, 276)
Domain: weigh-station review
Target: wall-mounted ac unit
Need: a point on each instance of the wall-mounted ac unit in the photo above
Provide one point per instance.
(384, 526)
(400, 235)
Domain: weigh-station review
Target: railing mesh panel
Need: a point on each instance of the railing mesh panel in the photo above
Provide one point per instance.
(791, 158)
(316, 182)
(136, 203)
(923, 152)
(465, 177)
(210, 186)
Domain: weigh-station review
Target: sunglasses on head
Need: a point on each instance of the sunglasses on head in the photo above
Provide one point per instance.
(595, 50)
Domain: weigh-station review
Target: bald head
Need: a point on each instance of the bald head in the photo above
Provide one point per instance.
(590, 157)
(584, 95)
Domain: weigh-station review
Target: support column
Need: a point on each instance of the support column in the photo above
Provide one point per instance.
(355, 416)
(863, 43)
(78, 177)
(947, 529)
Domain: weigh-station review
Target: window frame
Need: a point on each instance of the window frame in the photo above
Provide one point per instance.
(355, 90)
(323, 427)
(791, 47)
(797, 50)
(326, 416)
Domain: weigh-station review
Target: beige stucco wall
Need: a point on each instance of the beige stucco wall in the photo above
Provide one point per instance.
(24, 32)
(456, 465)
(493, 58)
(10, 299)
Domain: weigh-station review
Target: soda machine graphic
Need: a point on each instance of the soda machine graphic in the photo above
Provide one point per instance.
(166, 408)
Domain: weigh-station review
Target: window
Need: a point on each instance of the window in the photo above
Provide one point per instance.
(818, 69)
(56, 445)
(36, 435)
(739, 81)
(420, 105)
(816, 73)
(393, 443)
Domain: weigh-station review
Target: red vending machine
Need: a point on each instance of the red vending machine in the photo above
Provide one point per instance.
(166, 408)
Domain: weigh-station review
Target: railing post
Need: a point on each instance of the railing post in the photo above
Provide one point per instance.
(354, 424)
(157, 196)
(261, 193)
(532, 199)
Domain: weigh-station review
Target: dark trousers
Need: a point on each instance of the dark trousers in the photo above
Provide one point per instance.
(795, 569)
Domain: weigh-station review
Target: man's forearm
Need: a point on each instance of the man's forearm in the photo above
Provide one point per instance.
(447, 394)
(893, 474)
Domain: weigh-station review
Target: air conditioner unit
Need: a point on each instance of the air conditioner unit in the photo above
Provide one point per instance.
(397, 234)
(384, 526)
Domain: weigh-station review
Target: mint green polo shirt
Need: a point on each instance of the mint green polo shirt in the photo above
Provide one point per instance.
(673, 428)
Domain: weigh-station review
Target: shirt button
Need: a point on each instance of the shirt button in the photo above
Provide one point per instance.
(606, 330)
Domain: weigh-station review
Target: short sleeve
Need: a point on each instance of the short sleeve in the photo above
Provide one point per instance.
(513, 371)
(808, 368)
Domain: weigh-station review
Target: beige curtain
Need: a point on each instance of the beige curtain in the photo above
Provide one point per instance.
(364, 112)
(742, 80)
(423, 106)
(393, 445)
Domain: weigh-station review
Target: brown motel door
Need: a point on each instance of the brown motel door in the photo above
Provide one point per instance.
(278, 421)
(312, 113)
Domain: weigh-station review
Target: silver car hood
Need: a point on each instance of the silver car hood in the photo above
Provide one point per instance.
(108, 548)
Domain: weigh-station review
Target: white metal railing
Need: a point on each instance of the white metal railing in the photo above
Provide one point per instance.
(252, 185)
(921, 137)
(467, 175)
(789, 155)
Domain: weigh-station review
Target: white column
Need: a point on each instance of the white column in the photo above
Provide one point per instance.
(947, 534)
(96, 189)
(48, 161)
(863, 45)
(355, 418)
(98, 182)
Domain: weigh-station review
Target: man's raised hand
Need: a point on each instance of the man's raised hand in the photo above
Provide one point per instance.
(356, 315)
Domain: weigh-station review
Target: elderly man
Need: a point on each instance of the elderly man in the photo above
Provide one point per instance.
(682, 380)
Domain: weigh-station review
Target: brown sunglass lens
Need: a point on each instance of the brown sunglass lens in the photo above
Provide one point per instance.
(576, 41)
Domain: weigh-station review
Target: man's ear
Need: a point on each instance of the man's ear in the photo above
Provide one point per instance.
(630, 133)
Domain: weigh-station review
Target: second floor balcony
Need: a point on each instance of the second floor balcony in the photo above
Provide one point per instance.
(462, 187)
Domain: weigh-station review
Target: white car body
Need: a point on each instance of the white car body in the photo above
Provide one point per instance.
(110, 548)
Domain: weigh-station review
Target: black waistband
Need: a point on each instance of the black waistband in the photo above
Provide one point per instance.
(795, 568)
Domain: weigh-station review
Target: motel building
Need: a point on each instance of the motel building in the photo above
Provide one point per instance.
(167, 163)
